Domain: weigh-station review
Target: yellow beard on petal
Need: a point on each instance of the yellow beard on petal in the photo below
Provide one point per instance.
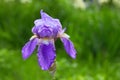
(34, 36)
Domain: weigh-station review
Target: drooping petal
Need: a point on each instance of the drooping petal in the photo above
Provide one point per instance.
(46, 55)
(29, 47)
(69, 47)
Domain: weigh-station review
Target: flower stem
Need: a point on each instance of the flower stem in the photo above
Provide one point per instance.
(52, 70)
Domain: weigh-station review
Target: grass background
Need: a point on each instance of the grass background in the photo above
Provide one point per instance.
(94, 31)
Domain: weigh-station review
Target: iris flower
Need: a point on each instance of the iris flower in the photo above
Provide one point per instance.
(46, 30)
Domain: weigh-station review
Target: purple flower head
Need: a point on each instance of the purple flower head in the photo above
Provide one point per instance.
(45, 31)
(46, 26)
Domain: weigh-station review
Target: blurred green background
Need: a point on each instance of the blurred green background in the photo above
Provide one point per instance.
(94, 27)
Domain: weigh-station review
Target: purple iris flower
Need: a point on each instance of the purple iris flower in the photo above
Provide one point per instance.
(46, 30)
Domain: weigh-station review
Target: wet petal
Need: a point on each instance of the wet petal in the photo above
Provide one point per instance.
(46, 55)
(69, 47)
(29, 48)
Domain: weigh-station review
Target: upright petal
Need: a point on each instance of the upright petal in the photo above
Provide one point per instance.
(46, 55)
(35, 30)
(69, 47)
(39, 22)
(29, 48)
(52, 22)
(45, 16)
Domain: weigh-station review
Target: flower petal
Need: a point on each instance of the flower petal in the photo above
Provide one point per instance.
(54, 26)
(69, 47)
(39, 22)
(45, 16)
(29, 48)
(49, 21)
(35, 30)
(46, 32)
(46, 55)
